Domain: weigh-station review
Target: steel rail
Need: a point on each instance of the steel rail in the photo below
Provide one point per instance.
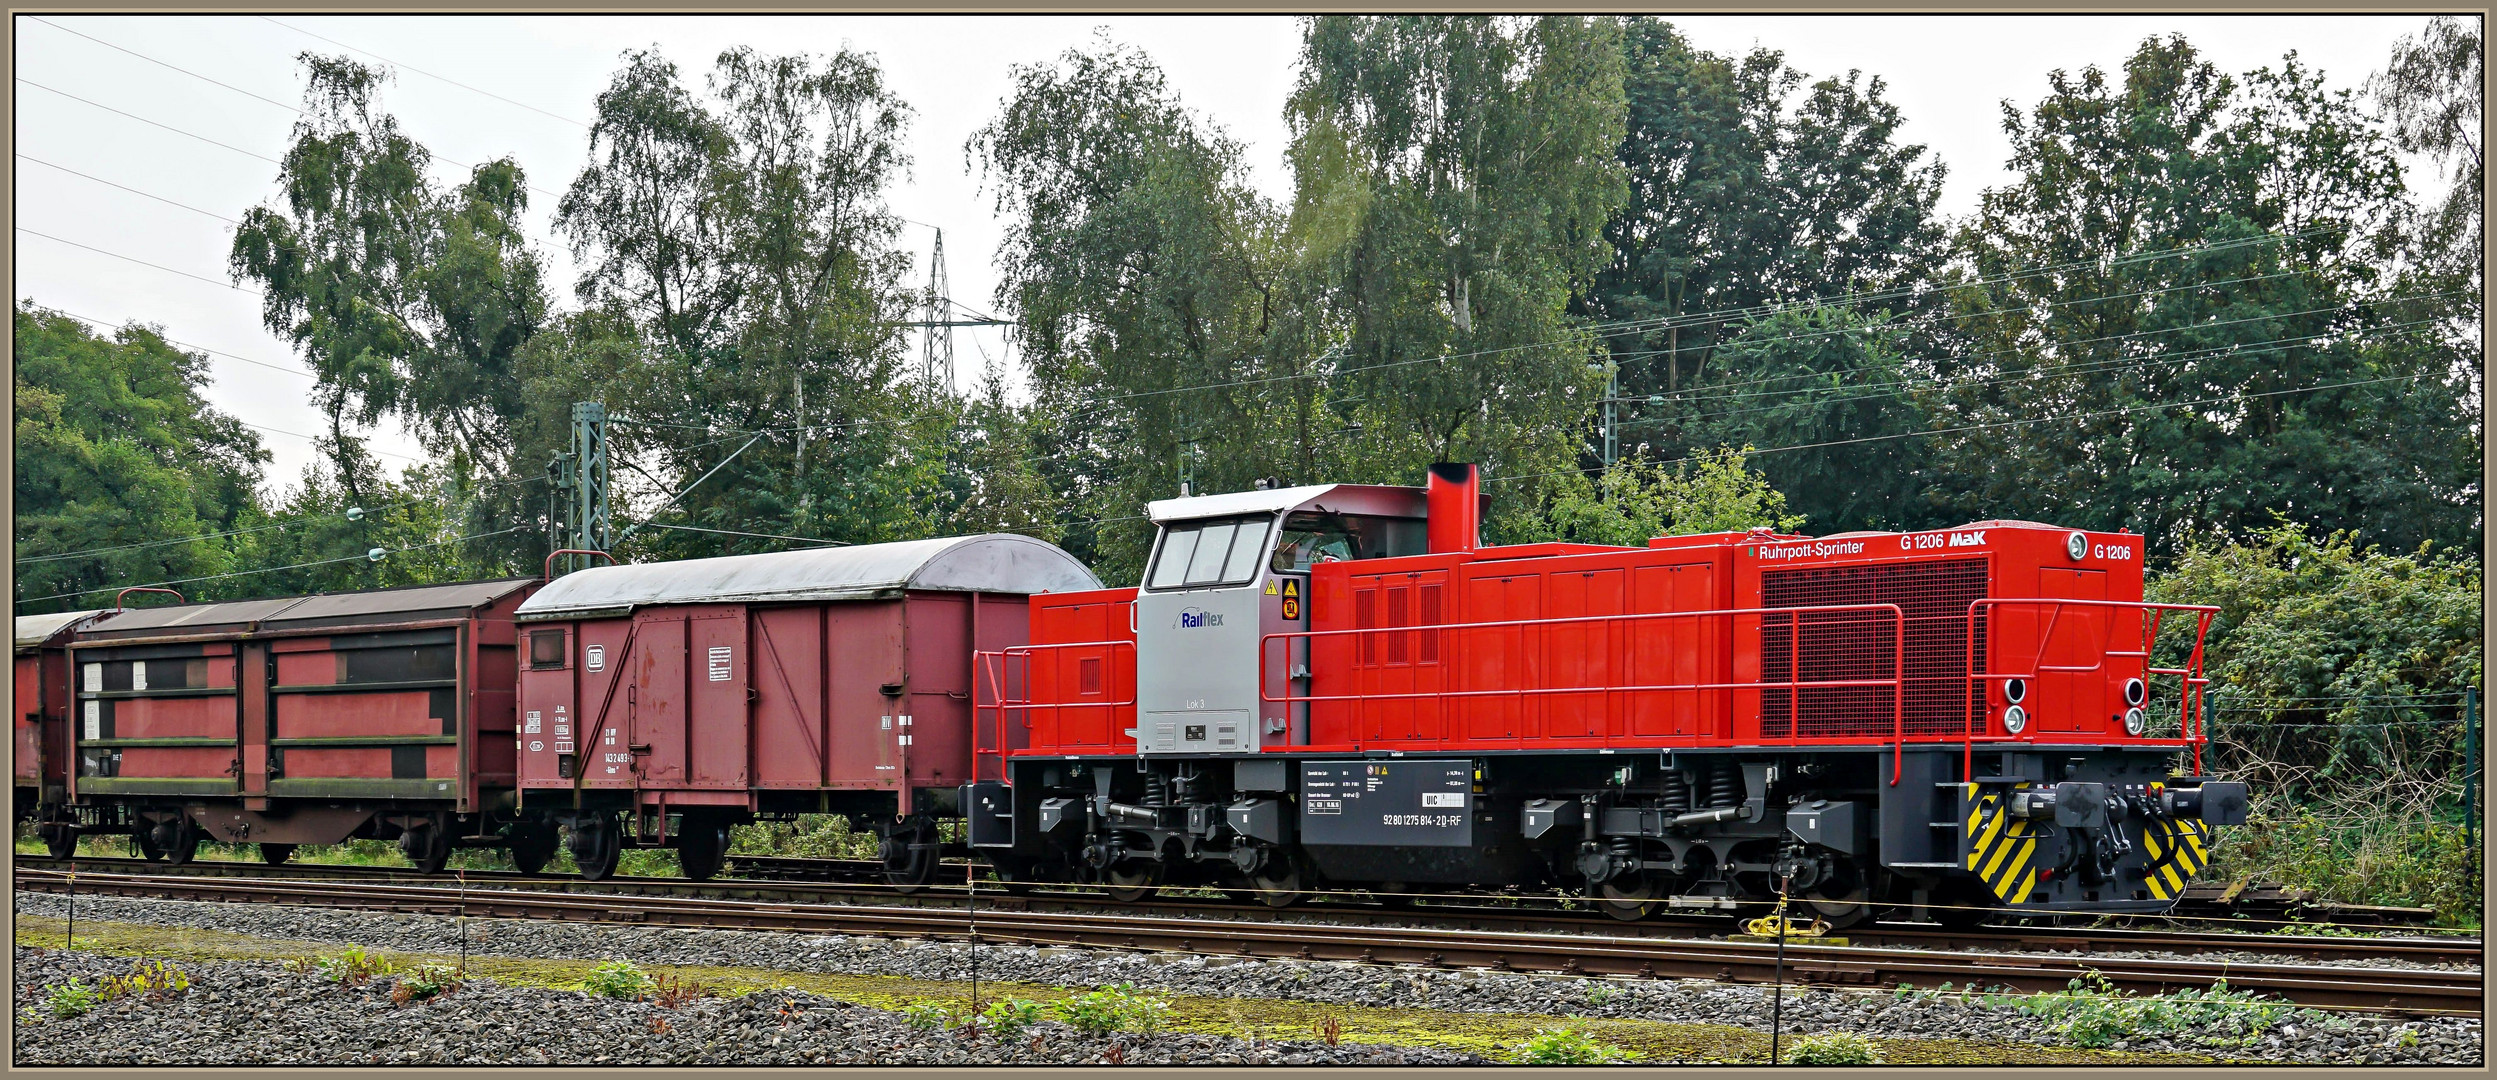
(777, 884)
(2399, 990)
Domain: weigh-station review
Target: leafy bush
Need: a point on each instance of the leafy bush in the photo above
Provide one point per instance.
(2337, 680)
(927, 1016)
(1568, 1044)
(1010, 1017)
(1833, 1048)
(72, 1000)
(617, 979)
(1114, 1008)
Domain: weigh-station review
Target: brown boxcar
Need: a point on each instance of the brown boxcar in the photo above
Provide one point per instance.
(41, 748)
(828, 680)
(381, 714)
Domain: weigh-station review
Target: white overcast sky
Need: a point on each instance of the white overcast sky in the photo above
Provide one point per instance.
(1948, 75)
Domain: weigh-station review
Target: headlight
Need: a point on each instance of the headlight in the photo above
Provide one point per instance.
(2136, 691)
(2076, 545)
(2136, 722)
(2015, 690)
(2014, 719)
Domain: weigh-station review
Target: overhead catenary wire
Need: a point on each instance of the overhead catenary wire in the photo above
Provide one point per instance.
(141, 262)
(275, 569)
(92, 321)
(23, 156)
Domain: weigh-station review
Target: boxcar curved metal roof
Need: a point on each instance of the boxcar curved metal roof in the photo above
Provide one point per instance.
(34, 630)
(990, 562)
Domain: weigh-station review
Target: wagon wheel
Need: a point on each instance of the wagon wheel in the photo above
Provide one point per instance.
(703, 849)
(1132, 880)
(596, 845)
(1630, 899)
(909, 852)
(428, 846)
(532, 845)
(276, 854)
(60, 840)
(184, 842)
(144, 835)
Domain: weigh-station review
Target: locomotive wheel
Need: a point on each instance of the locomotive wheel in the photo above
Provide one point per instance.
(703, 849)
(596, 845)
(532, 845)
(1132, 880)
(428, 846)
(1277, 886)
(184, 842)
(60, 840)
(1628, 901)
(276, 854)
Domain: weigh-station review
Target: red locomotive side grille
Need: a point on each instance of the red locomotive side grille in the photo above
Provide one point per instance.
(1933, 598)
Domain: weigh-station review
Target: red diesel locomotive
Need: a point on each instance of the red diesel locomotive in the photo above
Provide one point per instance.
(1336, 686)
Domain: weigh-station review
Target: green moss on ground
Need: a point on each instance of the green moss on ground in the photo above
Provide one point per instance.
(1489, 1034)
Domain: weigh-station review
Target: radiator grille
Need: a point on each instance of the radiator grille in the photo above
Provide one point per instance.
(1933, 598)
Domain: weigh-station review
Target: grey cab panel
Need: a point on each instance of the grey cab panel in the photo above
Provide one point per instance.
(1215, 588)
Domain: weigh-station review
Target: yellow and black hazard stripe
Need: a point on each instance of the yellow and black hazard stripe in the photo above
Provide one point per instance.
(1999, 846)
(2177, 852)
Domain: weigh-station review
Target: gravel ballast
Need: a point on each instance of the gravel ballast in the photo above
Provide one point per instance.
(2307, 1037)
(239, 1013)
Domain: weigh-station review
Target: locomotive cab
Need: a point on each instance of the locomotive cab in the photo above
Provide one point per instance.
(1226, 571)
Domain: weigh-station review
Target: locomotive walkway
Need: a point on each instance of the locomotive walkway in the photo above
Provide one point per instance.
(1622, 953)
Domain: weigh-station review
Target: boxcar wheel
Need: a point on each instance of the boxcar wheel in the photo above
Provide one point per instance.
(144, 835)
(184, 843)
(60, 840)
(427, 846)
(909, 852)
(596, 846)
(276, 854)
(532, 846)
(702, 850)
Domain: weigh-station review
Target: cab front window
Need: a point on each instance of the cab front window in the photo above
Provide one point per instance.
(1209, 554)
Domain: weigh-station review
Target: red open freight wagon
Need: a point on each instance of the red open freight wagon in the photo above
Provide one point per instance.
(41, 746)
(301, 720)
(716, 691)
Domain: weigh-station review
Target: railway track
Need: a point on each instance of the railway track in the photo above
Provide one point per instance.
(651, 903)
(779, 881)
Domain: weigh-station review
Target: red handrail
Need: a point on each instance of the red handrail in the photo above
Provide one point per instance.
(991, 663)
(549, 574)
(1793, 685)
(2192, 684)
(177, 596)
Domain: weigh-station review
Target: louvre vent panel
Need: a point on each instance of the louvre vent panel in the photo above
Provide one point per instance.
(1933, 599)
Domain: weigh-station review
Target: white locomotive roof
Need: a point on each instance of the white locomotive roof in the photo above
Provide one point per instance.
(33, 630)
(1357, 499)
(991, 562)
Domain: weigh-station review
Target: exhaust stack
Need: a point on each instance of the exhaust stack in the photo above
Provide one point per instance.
(1456, 508)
